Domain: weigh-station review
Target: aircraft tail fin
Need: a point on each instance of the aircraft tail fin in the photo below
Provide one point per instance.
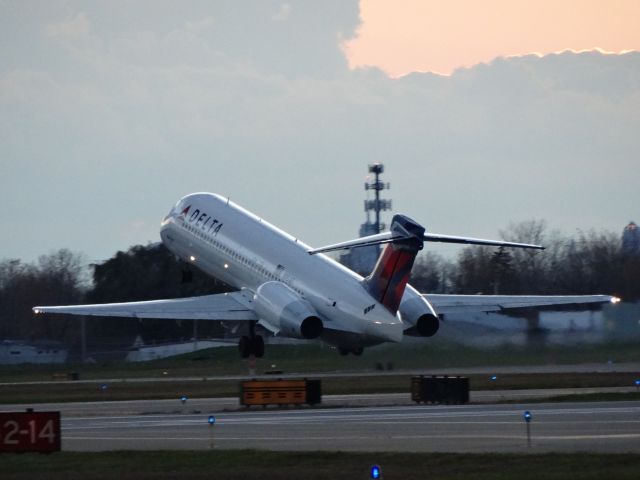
(389, 277)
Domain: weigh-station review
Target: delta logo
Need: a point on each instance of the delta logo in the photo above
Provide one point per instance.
(184, 212)
(201, 220)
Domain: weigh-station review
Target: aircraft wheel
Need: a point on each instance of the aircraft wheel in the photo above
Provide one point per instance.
(244, 345)
(258, 346)
(357, 351)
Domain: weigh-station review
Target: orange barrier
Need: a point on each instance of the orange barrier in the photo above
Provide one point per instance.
(280, 392)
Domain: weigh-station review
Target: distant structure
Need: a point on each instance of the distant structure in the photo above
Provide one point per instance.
(363, 259)
(140, 352)
(14, 352)
(631, 239)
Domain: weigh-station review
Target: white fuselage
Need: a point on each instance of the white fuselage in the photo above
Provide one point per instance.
(239, 248)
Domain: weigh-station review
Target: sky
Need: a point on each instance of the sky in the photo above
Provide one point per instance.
(110, 111)
(405, 36)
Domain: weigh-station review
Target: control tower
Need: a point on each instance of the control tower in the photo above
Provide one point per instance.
(362, 260)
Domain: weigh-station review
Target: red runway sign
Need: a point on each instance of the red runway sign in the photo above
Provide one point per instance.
(30, 432)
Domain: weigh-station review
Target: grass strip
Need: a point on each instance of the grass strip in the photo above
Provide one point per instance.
(314, 358)
(265, 465)
(136, 390)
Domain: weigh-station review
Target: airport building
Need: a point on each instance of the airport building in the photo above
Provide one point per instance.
(14, 352)
(631, 239)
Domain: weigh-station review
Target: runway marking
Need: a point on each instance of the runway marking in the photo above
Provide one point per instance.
(414, 411)
(381, 416)
(588, 437)
(268, 438)
(358, 417)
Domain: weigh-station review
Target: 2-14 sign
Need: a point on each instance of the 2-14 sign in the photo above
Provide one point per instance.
(30, 432)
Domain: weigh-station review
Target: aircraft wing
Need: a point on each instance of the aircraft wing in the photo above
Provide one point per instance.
(448, 304)
(222, 306)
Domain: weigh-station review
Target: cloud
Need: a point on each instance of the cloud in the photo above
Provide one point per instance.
(434, 36)
(112, 129)
(282, 14)
(78, 26)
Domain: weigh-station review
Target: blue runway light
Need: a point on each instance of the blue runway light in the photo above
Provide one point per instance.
(494, 378)
(212, 420)
(375, 472)
(183, 398)
(103, 387)
(637, 383)
(527, 416)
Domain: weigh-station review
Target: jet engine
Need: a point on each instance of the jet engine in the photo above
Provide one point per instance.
(418, 314)
(281, 307)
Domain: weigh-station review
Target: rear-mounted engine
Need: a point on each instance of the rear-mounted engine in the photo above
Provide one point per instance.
(417, 313)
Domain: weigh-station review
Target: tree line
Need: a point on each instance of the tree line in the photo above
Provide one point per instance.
(63, 277)
(587, 263)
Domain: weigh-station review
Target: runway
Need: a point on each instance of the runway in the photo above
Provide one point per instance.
(495, 370)
(599, 427)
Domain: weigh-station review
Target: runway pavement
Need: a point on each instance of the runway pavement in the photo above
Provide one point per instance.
(199, 405)
(608, 367)
(372, 422)
(561, 427)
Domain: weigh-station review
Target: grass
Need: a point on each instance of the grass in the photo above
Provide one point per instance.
(191, 369)
(315, 358)
(249, 464)
(137, 390)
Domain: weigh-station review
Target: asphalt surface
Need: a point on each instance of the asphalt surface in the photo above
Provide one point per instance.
(609, 367)
(599, 427)
(213, 405)
(375, 422)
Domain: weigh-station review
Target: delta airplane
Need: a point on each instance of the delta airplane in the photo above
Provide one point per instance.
(293, 290)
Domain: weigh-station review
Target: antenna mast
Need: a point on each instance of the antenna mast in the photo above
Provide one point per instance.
(378, 204)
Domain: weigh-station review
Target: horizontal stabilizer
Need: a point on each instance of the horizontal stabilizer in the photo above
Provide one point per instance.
(389, 237)
(377, 239)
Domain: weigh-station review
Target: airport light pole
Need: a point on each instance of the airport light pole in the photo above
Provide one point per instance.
(527, 420)
(212, 421)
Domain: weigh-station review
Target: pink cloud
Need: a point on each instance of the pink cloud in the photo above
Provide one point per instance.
(429, 35)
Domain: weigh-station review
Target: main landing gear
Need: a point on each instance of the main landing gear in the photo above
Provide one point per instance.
(357, 351)
(252, 344)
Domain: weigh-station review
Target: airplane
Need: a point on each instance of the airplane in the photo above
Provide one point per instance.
(293, 290)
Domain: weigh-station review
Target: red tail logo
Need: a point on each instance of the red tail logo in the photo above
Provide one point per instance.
(391, 273)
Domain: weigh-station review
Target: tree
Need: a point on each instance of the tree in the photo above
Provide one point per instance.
(473, 272)
(530, 267)
(147, 273)
(501, 270)
(431, 273)
(58, 278)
